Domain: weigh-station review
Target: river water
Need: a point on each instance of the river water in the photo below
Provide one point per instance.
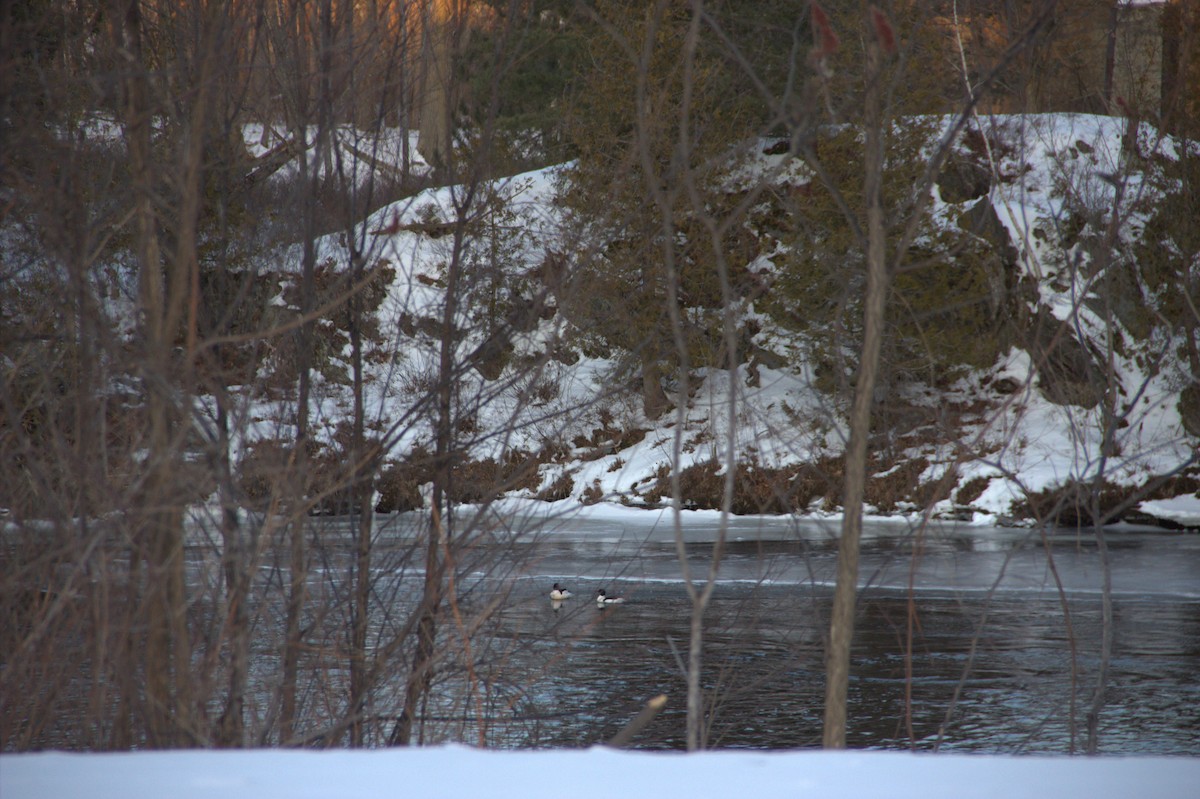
(967, 638)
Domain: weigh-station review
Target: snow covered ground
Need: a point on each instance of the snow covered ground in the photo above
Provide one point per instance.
(459, 771)
(1024, 444)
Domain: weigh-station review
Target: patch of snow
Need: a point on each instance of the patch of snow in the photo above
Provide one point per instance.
(458, 771)
(1182, 510)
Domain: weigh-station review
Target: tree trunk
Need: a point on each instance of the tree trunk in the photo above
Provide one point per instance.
(296, 487)
(654, 399)
(841, 629)
(420, 676)
(434, 135)
(167, 651)
(360, 500)
(231, 728)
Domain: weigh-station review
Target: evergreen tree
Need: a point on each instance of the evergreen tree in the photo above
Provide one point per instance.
(652, 142)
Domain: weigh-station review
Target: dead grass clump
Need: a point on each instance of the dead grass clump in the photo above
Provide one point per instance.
(971, 490)
(760, 489)
(553, 450)
(398, 487)
(757, 489)
(1087, 504)
(592, 494)
(472, 481)
(820, 480)
(562, 488)
(606, 440)
(476, 481)
(485, 480)
(1177, 485)
(263, 470)
(899, 485)
(1080, 504)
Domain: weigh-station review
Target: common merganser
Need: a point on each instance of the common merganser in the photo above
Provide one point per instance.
(558, 593)
(603, 599)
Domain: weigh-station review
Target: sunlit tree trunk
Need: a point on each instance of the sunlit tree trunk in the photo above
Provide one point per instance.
(443, 23)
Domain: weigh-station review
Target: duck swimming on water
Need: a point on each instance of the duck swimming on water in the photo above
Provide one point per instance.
(558, 593)
(604, 600)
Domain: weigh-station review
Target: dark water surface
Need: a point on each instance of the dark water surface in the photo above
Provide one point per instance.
(967, 638)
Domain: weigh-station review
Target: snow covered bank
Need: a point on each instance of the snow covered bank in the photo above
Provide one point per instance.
(995, 436)
(1183, 511)
(458, 771)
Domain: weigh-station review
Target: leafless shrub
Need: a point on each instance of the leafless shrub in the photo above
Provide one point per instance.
(561, 488)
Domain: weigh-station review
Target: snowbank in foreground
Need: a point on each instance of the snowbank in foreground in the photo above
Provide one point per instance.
(458, 771)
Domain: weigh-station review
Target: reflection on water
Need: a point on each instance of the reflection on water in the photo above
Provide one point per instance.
(984, 654)
(969, 639)
(1010, 669)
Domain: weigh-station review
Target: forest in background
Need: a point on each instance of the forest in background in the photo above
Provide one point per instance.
(199, 306)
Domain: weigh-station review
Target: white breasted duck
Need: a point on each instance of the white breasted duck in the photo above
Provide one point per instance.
(558, 593)
(604, 600)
